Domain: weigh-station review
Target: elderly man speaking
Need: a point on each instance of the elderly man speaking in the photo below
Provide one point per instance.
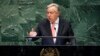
(53, 26)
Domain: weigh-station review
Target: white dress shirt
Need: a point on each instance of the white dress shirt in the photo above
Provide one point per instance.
(56, 25)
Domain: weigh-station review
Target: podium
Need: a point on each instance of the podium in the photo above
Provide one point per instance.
(70, 40)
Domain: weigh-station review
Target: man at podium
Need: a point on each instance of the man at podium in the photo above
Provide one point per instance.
(53, 26)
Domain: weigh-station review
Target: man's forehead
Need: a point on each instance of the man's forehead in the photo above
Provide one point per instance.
(52, 9)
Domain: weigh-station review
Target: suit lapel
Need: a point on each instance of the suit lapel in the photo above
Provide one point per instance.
(48, 28)
(60, 28)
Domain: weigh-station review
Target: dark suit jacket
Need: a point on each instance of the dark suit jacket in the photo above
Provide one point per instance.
(64, 29)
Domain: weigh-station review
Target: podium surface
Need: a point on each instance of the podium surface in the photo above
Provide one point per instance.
(48, 40)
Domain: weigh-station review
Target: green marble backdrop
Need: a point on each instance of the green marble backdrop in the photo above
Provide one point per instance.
(17, 17)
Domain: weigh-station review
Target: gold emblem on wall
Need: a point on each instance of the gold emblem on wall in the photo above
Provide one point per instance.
(49, 52)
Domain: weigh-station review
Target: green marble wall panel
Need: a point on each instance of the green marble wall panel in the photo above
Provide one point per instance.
(17, 17)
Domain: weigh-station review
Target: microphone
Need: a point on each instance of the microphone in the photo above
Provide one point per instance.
(55, 28)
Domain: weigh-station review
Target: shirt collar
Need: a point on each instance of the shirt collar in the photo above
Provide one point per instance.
(57, 21)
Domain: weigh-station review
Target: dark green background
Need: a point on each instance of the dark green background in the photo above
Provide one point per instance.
(17, 17)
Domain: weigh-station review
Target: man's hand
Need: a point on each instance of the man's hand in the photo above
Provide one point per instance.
(32, 33)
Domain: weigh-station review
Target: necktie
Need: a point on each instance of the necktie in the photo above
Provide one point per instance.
(53, 31)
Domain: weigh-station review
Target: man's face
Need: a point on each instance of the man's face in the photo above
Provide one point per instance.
(52, 14)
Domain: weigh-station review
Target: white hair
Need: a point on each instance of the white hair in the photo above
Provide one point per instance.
(53, 4)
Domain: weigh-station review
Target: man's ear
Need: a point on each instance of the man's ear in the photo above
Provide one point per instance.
(58, 13)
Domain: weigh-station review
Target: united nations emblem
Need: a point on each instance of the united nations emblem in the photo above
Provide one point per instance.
(49, 52)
